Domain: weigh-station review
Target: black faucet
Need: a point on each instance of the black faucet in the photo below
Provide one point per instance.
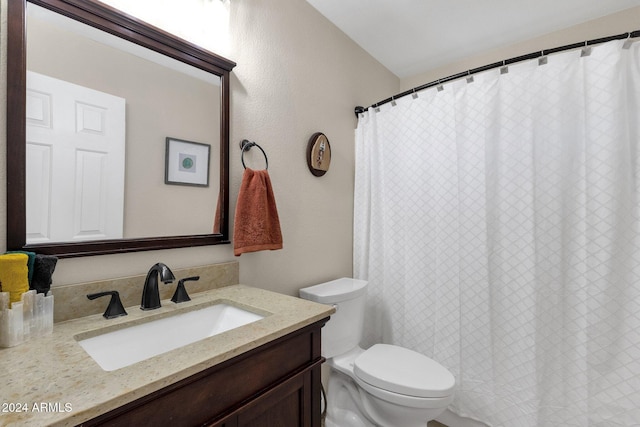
(150, 292)
(115, 308)
(181, 295)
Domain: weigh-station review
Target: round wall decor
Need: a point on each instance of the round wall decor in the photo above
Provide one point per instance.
(318, 154)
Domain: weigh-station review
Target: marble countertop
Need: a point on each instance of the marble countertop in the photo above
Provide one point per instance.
(51, 380)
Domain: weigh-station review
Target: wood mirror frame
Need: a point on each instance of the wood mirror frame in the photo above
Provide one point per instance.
(107, 19)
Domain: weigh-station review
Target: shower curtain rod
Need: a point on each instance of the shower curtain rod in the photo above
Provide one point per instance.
(499, 64)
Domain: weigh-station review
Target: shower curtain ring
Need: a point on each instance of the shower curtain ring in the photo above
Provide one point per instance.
(543, 59)
(504, 69)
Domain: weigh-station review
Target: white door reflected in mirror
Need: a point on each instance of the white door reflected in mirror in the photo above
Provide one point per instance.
(76, 154)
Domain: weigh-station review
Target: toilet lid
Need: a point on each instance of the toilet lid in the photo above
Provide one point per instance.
(403, 371)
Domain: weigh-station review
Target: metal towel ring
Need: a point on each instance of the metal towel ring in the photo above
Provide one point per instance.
(246, 145)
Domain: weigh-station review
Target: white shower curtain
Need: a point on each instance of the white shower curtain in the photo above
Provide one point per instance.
(498, 225)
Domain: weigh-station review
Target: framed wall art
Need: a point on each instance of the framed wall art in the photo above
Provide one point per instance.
(186, 163)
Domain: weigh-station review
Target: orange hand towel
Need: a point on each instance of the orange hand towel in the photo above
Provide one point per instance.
(14, 275)
(256, 223)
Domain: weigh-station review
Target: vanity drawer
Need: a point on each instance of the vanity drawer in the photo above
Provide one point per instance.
(222, 389)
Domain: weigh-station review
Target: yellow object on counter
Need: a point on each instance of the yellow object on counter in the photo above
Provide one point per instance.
(14, 275)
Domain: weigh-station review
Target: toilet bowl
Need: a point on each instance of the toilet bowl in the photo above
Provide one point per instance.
(385, 385)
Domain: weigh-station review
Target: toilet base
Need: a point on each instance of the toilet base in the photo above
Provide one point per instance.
(342, 403)
(350, 406)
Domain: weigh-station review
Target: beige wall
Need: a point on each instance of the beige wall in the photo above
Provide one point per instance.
(617, 23)
(296, 74)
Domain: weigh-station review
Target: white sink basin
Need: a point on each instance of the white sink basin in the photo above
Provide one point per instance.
(124, 347)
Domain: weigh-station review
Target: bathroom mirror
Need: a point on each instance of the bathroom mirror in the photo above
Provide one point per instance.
(137, 84)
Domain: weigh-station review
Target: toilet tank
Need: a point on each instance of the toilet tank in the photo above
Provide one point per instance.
(344, 330)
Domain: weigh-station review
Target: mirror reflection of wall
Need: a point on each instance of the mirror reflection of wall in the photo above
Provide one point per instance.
(161, 101)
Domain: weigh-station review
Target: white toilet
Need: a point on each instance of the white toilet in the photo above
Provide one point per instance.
(386, 385)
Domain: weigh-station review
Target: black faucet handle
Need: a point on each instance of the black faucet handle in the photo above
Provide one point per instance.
(180, 295)
(115, 308)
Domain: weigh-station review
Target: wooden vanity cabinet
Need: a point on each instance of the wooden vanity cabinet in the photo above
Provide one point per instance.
(274, 385)
(287, 404)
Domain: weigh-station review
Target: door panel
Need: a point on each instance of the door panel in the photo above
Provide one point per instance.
(79, 133)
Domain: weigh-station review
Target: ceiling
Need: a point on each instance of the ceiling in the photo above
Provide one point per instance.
(410, 37)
